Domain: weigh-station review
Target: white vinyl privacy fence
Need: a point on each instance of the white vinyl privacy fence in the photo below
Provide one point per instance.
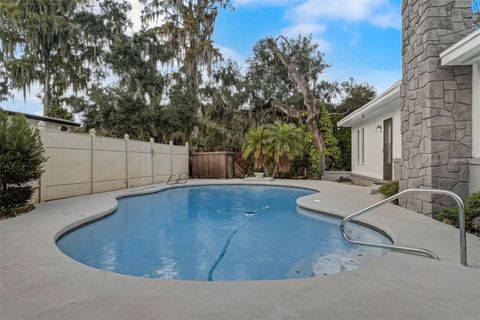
(80, 164)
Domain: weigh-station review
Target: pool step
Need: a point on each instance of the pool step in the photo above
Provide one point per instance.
(331, 263)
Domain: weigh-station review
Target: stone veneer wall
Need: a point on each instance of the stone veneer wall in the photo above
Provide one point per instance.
(436, 102)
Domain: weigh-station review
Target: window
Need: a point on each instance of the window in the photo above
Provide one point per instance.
(363, 146)
(358, 146)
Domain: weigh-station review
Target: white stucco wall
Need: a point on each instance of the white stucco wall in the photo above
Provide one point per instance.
(373, 164)
(476, 110)
(474, 168)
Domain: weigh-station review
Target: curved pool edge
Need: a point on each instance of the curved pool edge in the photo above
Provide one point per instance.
(313, 212)
(146, 190)
(308, 203)
(150, 190)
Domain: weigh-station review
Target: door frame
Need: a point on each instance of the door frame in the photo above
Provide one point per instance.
(387, 143)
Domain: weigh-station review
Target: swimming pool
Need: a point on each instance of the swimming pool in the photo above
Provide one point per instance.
(219, 232)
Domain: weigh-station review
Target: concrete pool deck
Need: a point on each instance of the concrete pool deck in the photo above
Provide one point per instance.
(37, 281)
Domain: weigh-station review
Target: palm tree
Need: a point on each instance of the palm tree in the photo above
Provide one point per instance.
(286, 142)
(257, 145)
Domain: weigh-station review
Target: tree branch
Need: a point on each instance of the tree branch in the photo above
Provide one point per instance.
(288, 110)
(349, 110)
(294, 74)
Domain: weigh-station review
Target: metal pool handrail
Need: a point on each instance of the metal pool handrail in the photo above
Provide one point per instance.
(461, 223)
(179, 178)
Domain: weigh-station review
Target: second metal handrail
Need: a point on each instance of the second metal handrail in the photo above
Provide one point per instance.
(179, 178)
(461, 223)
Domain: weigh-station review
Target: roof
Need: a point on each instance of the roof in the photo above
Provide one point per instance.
(46, 119)
(464, 52)
(382, 103)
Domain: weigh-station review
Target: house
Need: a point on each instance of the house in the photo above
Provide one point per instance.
(376, 137)
(425, 130)
(53, 124)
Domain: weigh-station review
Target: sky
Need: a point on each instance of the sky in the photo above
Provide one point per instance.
(360, 38)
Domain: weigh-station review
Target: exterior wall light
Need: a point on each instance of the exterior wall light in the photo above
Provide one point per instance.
(379, 128)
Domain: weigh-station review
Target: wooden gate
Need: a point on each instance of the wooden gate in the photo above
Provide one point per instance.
(212, 165)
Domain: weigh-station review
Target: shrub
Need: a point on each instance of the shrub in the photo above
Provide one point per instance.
(389, 189)
(343, 179)
(21, 159)
(472, 211)
(13, 196)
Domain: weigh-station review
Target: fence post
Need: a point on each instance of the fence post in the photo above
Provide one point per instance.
(152, 142)
(188, 160)
(127, 176)
(92, 160)
(171, 157)
(42, 188)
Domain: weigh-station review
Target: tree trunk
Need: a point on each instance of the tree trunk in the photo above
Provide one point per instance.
(319, 144)
(309, 101)
(275, 170)
(47, 91)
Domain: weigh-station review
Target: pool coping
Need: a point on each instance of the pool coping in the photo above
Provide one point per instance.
(37, 281)
(354, 221)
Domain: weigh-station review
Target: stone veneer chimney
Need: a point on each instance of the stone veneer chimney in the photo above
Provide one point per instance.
(436, 102)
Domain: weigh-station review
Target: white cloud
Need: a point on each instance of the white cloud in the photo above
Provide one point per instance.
(304, 29)
(230, 53)
(323, 45)
(387, 20)
(380, 13)
(262, 2)
(311, 17)
(380, 79)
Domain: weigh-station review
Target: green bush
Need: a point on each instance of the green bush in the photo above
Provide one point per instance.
(21, 159)
(14, 196)
(8, 212)
(306, 166)
(389, 189)
(472, 210)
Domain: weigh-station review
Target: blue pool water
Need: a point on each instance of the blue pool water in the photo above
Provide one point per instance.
(219, 232)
